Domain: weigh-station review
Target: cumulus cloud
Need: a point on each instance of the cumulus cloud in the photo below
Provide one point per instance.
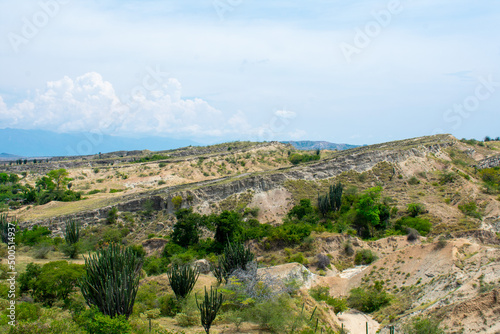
(285, 114)
(89, 103)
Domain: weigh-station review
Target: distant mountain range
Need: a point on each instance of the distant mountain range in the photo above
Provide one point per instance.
(7, 156)
(322, 145)
(39, 143)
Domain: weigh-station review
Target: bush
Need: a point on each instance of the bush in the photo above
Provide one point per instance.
(419, 325)
(323, 261)
(441, 243)
(415, 209)
(97, 323)
(298, 258)
(155, 265)
(52, 282)
(41, 251)
(365, 256)
(321, 293)
(347, 248)
(423, 226)
(34, 236)
(369, 299)
(413, 234)
(448, 177)
(413, 181)
(169, 306)
(112, 215)
(177, 202)
(470, 209)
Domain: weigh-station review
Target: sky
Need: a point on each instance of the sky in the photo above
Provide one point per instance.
(357, 72)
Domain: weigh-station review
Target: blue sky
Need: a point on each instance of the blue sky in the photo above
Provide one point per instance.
(215, 70)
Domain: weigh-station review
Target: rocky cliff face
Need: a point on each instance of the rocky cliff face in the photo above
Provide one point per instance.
(489, 162)
(208, 192)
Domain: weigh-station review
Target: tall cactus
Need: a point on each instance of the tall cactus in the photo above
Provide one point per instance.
(235, 256)
(72, 232)
(209, 308)
(111, 280)
(182, 279)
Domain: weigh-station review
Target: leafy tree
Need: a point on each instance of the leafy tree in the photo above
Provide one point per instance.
(186, 229)
(301, 210)
(52, 282)
(228, 227)
(368, 212)
(59, 177)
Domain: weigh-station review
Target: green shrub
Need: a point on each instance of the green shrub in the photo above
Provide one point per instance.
(34, 236)
(155, 265)
(448, 177)
(322, 293)
(51, 282)
(169, 305)
(177, 202)
(95, 322)
(415, 209)
(298, 258)
(369, 299)
(423, 226)
(470, 209)
(421, 325)
(413, 181)
(364, 256)
(112, 215)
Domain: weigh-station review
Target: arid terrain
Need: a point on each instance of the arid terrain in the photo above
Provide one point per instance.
(452, 273)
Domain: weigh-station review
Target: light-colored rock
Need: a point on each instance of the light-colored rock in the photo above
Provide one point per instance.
(203, 266)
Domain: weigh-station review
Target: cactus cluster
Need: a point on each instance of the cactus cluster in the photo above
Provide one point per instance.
(209, 308)
(235, 256)
(332, 200)
(111, 280)
(72, 232)
(182, 279)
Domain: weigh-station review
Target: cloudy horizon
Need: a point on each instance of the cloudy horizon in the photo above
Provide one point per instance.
(219, 70)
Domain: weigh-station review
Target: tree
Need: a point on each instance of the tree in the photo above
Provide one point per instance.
(111, 280)
(368, 212)
(228, 226)
(185, 230)
(59, 177)
(52, 282)
(301, 210)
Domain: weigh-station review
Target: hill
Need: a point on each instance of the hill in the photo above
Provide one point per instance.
(432, 226)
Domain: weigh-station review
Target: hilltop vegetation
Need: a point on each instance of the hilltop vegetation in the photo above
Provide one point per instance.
(417, 215)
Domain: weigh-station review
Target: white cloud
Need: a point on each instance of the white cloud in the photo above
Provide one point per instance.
(89, 103)
(285, 114)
